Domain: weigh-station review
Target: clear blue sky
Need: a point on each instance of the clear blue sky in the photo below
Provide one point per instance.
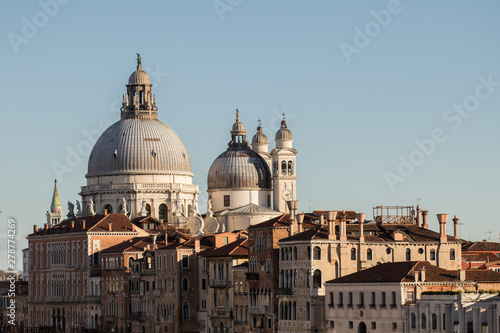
(354, 114)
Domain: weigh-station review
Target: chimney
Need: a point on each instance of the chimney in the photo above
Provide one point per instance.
(342, 227)
(105, 212)
(418, 216)
(46, 226)
(300, 220)
(330, 217)
(455, 227)
(461, 275)
(416, 276)
(72, 224)
(35, 228)
(442, 218)
(292, 206)
(424, 218)
(83, 224)
(110, 226)
(321, 219)
(133, 227)
(361, 221)
(153, 238)
(197, 245)
(422, 274)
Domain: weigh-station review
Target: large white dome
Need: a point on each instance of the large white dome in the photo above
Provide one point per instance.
(139, 146)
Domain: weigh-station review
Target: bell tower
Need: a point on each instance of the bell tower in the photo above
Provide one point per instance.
(55, 214)
(284, 169)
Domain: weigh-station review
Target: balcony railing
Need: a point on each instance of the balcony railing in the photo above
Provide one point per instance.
(258, 309)
(283, 291)
(138, 315)
(110, 319)
(252, 276)
(220, 283)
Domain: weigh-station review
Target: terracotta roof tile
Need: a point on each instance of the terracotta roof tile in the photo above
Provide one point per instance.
(237, 248)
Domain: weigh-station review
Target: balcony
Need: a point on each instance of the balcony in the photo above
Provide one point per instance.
(138, 315)
(93, 299)
(157, 293)
(252, 276)
(294, 325)
(241, 322)
(220, 284)
(110, 319)
(283, 291)
(221, 313)
(318, 292)
(258, 310)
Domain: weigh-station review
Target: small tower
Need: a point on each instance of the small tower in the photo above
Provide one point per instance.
(284, 168)
(260, 145)
(55, 215)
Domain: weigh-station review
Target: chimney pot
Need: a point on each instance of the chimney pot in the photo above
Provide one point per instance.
(442, 218)
(105, 212)
(342, 226)
(455, 227)
(424, 218)
(45, 226)
(83, 224)
(461, 274)
(422, 274)
(361, 221)
(35, 228)
(110, 226)
(330, 217)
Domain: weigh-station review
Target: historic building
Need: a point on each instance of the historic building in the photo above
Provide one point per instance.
(139, 165)
(388, 297)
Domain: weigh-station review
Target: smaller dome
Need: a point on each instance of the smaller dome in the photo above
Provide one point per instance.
(283, 133)
(139, 77)
(238, 127)
(259, 138)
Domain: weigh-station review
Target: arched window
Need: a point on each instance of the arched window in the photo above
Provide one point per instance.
(413, 321)
(185, 311)
(353, 254)
(408, 254)
(452, 254)
(317, 279)
(283, 167)
(282, 251)
(444, 322)
(433, 255)
(96, 257)
(317, 253)
(308, 311)
(130, 259)
(148, 209)
(308, 253)
(294, 253)
(369, 254)
(424, 321)
(434, 321)
(290, 167)
(108, 208)
(163, 213)
(308, 279)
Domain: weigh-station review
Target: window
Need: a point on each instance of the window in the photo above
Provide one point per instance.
(351, 325)
(433, 255)
(290, 167)
(227, 201)
(373, 300)
(444, 322)
(332, 324)
(383, 301)
(308, 311)
(374, 325)
(203, 284)
(388, 250)
(308, 279)
(308, 253)
(341, 299)
(185, 261)
(434, 321)
(413, 321)
(269, 323)
(163, 213)
(203, 303)
(353, 254)
(349, 299)
(420, 250)
(148, 209)
(185, 284)
(369, 254)
(394, 326)
(224, 240)
(185, 311)
(424, 321)
(295, 253)
(317, 279)
(361, 300)
(408, 254)
(317, 253)
(452, 254)
(283, 168)
(331, 300)
(393, 300)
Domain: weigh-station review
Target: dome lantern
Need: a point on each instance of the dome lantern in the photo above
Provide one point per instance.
(238, 133)
(259, 140)
(283, 136)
